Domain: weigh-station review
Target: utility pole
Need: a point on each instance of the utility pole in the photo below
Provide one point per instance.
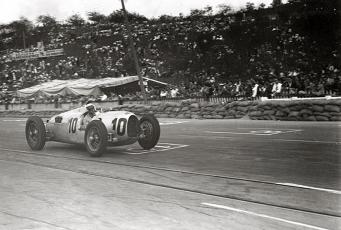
(133, 52)
(24, 39)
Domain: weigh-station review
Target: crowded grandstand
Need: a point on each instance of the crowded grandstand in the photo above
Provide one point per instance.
(283, 50)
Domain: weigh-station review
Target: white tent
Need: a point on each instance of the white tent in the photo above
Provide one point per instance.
(80, 86)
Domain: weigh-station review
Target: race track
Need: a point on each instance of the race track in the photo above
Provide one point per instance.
(203, 174)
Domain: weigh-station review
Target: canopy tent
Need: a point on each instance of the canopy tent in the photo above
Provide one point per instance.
(80, 86)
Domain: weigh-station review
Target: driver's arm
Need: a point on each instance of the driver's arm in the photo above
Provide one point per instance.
(84, 120)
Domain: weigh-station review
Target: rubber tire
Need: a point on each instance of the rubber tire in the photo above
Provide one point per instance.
(103, 134)
(39, 145)
(148, 144)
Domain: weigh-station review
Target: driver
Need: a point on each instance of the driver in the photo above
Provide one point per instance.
(88, 115)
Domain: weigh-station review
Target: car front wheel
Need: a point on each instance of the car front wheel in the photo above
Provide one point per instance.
(95, 138)
(35, 133)
(150, 129)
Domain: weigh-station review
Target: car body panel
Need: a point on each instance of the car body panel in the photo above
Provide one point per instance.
(67, 127)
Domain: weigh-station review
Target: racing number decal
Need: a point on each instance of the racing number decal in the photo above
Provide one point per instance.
(114, 124)
(72, 125)
(121, 126)
(121, 122)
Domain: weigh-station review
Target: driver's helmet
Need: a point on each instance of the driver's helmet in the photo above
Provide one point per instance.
(91, 108)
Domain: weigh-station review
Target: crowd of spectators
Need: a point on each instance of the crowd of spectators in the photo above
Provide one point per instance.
(249, 53)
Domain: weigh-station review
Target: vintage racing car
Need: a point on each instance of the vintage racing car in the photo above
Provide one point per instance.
(95, 129)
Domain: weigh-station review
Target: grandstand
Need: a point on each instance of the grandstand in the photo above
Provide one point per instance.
(284, 50)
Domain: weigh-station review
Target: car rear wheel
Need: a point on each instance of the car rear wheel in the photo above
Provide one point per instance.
(96, 138)
(35, 133)
(150, 129)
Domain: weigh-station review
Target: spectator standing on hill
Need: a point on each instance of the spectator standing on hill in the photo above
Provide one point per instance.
(255, 90)
(268, 89)
(329, 85)
(104, 97)
(262, 90)
(237, 88)
(56, 101)
(207, 91)
(7, 100)
(276, 88)
(319, 89)
(120, 99)
(163, 94)
(174, 92)
(338, 85)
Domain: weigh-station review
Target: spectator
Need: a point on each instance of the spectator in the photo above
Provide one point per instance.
(174, 92)
(276, 88)
(207, 91)
(163, 94)
(198, 48)
(120, 99)
(255, 90)
(104, 97)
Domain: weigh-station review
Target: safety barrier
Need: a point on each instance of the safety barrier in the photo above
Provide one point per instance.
(295, 109)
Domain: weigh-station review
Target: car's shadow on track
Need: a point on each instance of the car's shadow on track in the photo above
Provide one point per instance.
(74, 150)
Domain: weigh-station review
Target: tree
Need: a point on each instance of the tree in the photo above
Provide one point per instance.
(261, 6)
(250, 6)
(45, 24)
(96, 17)
(166, 18)
(118, 17)
(276, 3)
(22, 24)
(207, 11)
(23, 29)
(76, 20)
(47, 21)
(224, 9)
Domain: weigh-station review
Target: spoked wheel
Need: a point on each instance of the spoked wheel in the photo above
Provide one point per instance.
(150, 128)
(96, 137)
(35, 133)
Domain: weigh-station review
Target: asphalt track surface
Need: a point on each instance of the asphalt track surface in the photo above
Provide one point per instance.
(203, 174)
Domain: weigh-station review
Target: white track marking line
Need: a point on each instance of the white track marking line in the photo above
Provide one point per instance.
(264, 216)
(14, 120)
(257, 134)
(214, 137)
(155, 150)
(261, 132)
(165, 143)
(310, 187)
(171, 122)
(164, 147)
(284, 129)
(276, 131)
(308, 141)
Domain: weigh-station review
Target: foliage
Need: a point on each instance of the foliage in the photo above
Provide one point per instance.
(250, 6)
(118, 17)
(47, 21)
(224, 9)
(75, 20)
(96, 17)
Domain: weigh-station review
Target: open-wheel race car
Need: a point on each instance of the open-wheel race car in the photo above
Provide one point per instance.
(96, 130)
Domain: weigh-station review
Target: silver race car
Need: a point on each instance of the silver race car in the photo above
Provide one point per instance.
(96, 130)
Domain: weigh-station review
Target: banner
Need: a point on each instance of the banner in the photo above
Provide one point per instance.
(35, 54)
